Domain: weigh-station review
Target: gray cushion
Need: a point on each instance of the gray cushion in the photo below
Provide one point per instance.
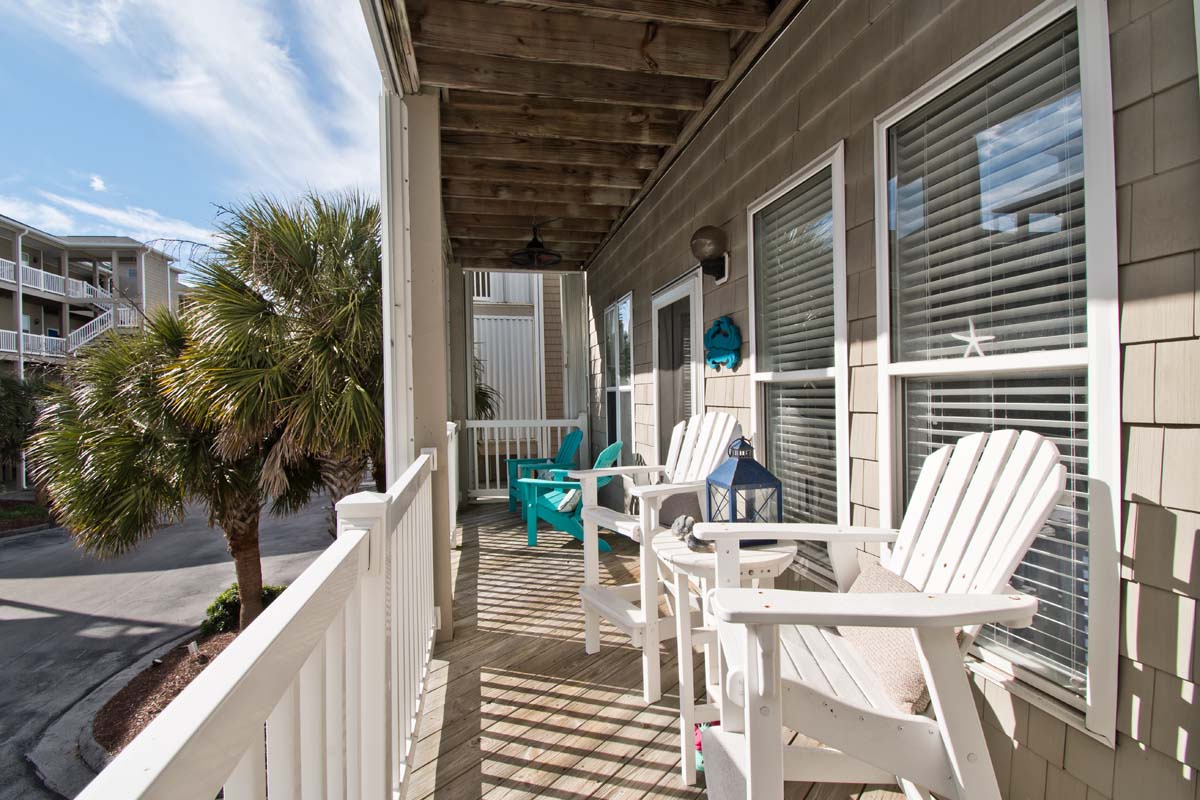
(679, 505)
(890, 652)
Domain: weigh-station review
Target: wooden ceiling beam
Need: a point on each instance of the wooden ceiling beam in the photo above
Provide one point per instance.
(533, 172)
(507, 220)
(535, 35)
(503, 265)
(782, 12)
(553, 151)
(586, 195)
(536, 211)
(559, 124)
(522, 234)
(747, 15)
(501, 250)
(457, 70)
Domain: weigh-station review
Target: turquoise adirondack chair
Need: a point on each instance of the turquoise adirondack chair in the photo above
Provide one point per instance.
(558, 501)
(527, 467)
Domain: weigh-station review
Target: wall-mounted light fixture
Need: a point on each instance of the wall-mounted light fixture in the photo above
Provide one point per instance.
(711, 249)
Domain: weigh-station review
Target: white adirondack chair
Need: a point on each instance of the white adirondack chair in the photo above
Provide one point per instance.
(698, 445)
(975, 510)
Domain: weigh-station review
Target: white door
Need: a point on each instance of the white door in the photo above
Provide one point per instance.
(678, 356)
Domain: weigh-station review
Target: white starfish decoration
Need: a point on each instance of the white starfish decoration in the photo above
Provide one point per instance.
(972, 339)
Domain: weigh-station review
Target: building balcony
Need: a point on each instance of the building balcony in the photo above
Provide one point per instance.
(34, 344)
(52, 283)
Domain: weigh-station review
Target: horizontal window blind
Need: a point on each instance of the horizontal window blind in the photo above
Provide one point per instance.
(796, 330)
(939, 412)
(793, 258)
(801, 428)
(986, 210)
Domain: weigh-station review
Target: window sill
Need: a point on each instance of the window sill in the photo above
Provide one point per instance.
(1040, 700)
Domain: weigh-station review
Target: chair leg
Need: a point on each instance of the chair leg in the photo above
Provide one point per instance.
(958, 721)
(531, 517)
(651, 657)
(591, 570)
(764, 714)
(687, 696)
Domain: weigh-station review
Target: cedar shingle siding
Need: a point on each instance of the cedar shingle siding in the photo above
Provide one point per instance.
(832, 70)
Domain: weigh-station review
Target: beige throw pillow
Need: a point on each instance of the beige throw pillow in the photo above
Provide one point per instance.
(891, 653)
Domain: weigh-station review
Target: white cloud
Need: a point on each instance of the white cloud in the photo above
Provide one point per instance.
(227, 71)
(43, 216)
(143, 224)
(97, 184)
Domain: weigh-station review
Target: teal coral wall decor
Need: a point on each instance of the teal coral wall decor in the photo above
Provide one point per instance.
(723, 344)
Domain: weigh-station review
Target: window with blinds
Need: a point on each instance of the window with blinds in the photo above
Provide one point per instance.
(618, 374)
(986, 256)
(793, 260)
(986, 189)
(795, 338)
(939, 412)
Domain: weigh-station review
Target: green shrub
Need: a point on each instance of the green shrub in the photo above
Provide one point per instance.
(222, 615)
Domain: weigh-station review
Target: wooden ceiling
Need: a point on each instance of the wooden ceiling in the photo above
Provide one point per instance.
(566, 110)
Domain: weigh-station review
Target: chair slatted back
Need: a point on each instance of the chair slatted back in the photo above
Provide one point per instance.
(704, 445)
(976, 508)
(568, 447)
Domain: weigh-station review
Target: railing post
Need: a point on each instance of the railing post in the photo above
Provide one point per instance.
(368, 511)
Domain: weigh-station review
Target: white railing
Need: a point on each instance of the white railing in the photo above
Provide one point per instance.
(8, 270)
(8, 341)
(83, 289)
(128, 317)
(37, 345)
(118, 317)
(452, 482)
(491, 442)
(81, 336)
(34, 278)
(320, 696)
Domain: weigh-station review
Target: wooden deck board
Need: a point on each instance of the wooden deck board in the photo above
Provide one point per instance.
(515, 709)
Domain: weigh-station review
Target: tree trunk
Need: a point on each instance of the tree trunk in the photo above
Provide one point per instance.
(341, 476)
(379, 474)
(241, 533)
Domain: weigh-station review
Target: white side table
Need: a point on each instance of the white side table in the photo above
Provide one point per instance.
(760, 566)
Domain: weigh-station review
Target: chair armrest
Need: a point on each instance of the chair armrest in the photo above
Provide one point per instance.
(527, 461)
(592, 474)
(915, 610)
(657, 491)
(802, 532)
(549, 483)
(558, 474)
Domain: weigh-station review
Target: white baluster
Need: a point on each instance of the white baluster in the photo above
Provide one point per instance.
(335, 709)
(283, 746)
(248, 781)
(312, 725)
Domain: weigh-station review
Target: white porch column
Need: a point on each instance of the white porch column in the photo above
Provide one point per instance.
(19, 313)
(141, 268)
(397, 326)
(430, 363)
(64, 324)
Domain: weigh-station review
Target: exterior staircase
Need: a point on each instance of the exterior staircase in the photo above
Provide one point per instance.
(119, 316)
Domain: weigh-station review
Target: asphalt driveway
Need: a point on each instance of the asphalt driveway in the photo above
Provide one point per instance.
(68, 621)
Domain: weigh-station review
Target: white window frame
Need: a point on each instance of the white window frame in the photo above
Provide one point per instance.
(1095, 714)
(834, 159)
(618, 387)
(690, 287)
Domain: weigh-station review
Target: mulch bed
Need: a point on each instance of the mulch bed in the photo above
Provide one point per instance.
(21, 514)
(130, 710)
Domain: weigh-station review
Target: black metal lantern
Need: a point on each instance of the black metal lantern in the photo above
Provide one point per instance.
(743, 490)
(535, 255)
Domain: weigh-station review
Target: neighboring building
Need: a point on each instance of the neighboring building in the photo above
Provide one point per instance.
(57, 293)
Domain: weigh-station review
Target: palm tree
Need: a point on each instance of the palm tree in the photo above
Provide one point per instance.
(18, 408)
(119, 461)
(289, 337)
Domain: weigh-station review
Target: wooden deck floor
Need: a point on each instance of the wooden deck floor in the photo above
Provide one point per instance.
(515, 708)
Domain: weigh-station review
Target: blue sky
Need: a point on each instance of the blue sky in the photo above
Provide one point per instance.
(135, 117)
